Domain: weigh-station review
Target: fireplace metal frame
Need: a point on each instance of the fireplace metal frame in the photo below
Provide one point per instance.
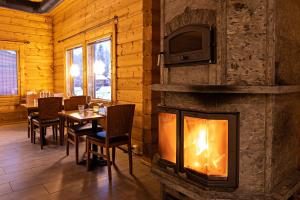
(233, 151)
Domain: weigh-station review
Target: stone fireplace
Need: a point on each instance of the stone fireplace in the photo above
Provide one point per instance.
(228, 129)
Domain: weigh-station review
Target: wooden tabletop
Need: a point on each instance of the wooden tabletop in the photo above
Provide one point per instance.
(30, 107)
(80, 117)
(25, 105)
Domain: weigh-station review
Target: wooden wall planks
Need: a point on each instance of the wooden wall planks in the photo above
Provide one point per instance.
(36, 58)
(133, 51)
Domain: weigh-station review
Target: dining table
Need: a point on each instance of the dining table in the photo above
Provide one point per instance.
(86, 116)
(30, 107)
(81, 117)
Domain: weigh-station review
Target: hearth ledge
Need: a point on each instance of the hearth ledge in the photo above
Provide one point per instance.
(226, 89)
(282, 192)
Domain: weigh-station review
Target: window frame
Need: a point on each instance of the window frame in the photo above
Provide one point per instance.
(17, 48)
(67, 70)
(104, 37)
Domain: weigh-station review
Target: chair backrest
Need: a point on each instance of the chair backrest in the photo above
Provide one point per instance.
(88, 99)
(119, 120)
(30, 97)
(79, 100)
(68, 106)
(49, 108)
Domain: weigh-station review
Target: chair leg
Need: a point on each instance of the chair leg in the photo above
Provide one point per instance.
(76, 140)
(28, 129)
(113, 154)
(130, 158)
(61, 133)
(34, 136)
(56, 133)
(86, 145)
(53, 133)
(41, 136)
(32, 133)
(67, 145)
(88, 154)
(108, 164)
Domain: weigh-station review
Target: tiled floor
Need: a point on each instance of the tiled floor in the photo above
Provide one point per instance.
(26, 172)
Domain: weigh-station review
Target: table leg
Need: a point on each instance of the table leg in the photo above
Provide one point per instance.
(62, 130)
(94, 129)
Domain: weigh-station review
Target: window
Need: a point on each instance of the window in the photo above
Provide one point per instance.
(8, 73)
(99, 69)
(74, 72)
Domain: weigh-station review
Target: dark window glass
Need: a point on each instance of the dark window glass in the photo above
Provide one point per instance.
(189, 41)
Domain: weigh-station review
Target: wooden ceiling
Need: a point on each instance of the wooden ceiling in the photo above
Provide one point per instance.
(33, 6)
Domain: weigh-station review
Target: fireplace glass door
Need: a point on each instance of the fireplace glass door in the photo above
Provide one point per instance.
(203, 146)
(206, 146)
(167, 136)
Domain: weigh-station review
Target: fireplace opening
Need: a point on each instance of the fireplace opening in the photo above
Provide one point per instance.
(167, 136)
(204, 146)
(209, 148)
(168, 128)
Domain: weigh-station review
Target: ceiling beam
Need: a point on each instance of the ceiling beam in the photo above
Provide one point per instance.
(29, 6)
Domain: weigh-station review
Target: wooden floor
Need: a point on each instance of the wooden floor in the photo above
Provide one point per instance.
(26, 172)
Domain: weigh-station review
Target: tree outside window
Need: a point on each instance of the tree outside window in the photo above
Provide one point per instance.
(99, 69)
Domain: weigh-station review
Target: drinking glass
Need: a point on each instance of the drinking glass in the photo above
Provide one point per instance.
(96, 109)
(81, 109)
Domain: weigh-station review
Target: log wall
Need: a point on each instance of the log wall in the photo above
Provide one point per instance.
(74, 24)
(151, 75)
(35, 58)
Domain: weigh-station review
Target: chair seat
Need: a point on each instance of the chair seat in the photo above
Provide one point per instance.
(100, 136)
(47, 121)
(83, 128)
(33, 115)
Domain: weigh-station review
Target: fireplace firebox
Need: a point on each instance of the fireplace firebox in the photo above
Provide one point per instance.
(204, 146)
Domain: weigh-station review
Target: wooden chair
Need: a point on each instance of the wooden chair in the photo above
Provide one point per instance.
(70, 105)
(75, 131)
(78, 100)
(31, 115)
(118, 132)
(49, 109)
(30, 98)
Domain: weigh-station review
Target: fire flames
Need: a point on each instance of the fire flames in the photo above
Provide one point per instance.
(206, 146)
